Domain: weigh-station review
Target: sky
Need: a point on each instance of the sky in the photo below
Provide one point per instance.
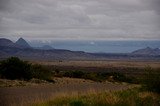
(80, 19)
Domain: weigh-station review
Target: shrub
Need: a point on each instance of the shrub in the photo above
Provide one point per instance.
(151, 81)
(74, 74)
(99, 77)
(120, 77)
(40, 72)
(14, 68)
(94, 76)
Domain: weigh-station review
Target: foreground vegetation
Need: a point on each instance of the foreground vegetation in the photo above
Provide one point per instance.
(131, 97)
(151, 80)
(14, 68)
(148, 95)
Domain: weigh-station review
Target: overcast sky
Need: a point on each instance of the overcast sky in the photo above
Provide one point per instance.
(80, 19)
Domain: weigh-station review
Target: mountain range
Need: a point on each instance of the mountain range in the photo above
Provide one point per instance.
(23, 50)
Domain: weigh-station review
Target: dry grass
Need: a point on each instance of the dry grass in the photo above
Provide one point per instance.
(128, 68)
(15, 83)
(130, 97)
(69, 91)
(111, 63)
(23, 96)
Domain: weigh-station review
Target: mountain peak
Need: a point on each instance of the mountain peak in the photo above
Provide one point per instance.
(6, 42)
(20, 38)
(21, 42)
(148, 51)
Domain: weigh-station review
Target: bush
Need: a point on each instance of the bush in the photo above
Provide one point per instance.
(151, 80)
(74, 74)
(94, 76)
(14, 68)
(99, 77)
(120, 77)
(39, 72)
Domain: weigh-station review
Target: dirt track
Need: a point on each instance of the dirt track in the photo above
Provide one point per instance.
(21, 96)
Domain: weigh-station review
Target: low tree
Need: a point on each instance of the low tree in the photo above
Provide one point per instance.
(14, 68)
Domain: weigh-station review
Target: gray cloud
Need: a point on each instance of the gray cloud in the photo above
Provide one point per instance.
(80, 19)
(153, 4)
(4, 4)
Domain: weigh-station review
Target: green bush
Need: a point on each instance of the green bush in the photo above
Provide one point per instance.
(99, 77)
(74, 74)
(14, 68)
(40, 72)
(94, 76)
(120, 77)
(151, 81)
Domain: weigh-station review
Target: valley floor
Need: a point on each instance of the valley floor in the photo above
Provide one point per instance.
(25, 95)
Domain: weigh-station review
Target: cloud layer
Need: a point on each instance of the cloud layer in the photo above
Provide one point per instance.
(80, 19)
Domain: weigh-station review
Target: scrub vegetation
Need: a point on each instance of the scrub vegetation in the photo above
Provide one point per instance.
(147, 93)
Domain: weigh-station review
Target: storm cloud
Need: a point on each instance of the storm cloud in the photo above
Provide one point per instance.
(80, 19)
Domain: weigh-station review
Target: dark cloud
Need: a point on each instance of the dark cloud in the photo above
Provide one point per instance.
(4, 4)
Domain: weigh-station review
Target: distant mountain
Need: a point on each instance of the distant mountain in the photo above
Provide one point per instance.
(45, 47)
(21, 42)
(23, 50)
(147, 51)
(7, 42)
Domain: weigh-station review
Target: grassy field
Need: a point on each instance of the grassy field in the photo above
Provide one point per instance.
(102, 64)
(24, 96)
(130, 97)
(128, 68)
(81, 83)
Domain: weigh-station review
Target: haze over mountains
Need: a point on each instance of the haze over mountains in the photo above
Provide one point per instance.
(23, 50)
